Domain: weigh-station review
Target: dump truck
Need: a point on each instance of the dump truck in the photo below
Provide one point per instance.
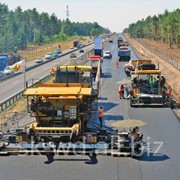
(124, 53)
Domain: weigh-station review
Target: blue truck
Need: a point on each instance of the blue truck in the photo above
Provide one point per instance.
(3, 61)
(98, 46)
(124, 53)
(8, 60)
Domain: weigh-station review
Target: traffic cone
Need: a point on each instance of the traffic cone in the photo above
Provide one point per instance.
(117, 63)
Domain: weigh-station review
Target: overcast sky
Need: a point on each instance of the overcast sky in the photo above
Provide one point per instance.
(112, 14)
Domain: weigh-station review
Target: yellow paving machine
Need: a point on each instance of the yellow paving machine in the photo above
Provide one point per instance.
(147, 88)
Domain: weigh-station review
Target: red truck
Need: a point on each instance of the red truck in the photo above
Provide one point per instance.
(76, 43)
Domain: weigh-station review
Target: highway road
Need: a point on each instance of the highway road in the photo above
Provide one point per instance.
(17, 83)
(160, 161)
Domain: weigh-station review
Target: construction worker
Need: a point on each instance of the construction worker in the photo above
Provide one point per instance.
(169, 91)
(162, 81)
(163, 92)
(32, 105)
(169, 96)
(100, 115)
(52, 72)
(151, 83)
(121, 92)
(81, 72)
(134, 134)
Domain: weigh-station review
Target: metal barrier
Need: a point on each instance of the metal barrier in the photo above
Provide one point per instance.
(15, 97)
(11, 100)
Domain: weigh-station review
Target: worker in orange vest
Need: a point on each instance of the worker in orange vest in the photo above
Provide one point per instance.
(100, 115)
(169, 91)
(52, 71)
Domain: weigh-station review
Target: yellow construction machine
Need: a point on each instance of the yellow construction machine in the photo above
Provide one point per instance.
(62, 108)
(61, 113)
(138, 64)
(147, 88)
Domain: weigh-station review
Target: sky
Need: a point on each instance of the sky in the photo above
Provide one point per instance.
(115, 15)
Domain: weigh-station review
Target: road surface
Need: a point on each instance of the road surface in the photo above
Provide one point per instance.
(160, 160)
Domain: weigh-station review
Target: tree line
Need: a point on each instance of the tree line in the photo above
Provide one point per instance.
(164, 27)
(19, 28)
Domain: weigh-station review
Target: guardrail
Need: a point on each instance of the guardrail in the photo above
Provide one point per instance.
(36, 65)
(17, 96)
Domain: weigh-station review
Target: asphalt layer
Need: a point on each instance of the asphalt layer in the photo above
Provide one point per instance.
(160, 160)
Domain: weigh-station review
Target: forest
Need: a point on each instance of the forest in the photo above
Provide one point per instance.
(162, 28)
(19, 28)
